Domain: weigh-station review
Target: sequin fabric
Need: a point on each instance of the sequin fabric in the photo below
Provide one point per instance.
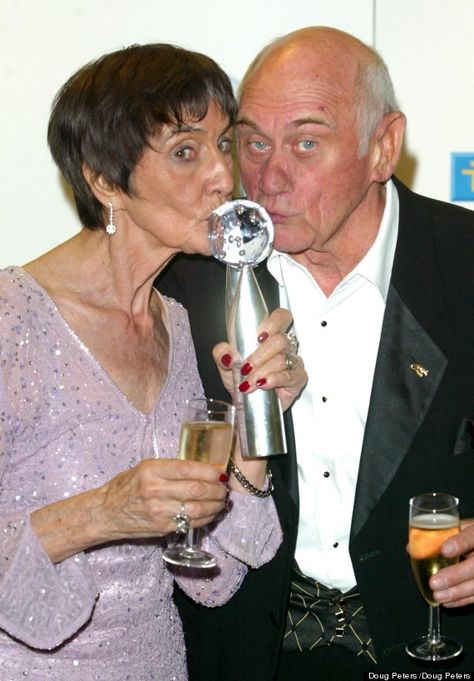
(105, 614)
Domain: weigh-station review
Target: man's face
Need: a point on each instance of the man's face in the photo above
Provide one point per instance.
(298, 145)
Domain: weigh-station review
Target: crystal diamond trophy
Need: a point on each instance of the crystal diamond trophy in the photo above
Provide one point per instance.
(241, 235)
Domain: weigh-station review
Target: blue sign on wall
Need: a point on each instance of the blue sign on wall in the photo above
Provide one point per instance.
(462, 176)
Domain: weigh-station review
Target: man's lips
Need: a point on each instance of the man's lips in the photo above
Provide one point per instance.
(277, 217)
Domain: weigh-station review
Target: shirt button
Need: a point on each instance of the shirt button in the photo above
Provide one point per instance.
(336, 544)
(326, 474)
(324, 399)
(324, 323)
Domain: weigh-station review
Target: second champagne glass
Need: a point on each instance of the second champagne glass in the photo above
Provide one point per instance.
(434, 517)
(206, 436)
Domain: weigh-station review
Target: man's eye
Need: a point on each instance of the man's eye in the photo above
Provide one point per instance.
(258, 145)
(306, 145)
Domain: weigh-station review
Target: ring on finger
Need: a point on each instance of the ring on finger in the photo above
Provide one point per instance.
(182, 520)
(291, 361)
(293, 341)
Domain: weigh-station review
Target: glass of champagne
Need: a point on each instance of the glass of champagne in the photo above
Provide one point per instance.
(434, 517)
(206, 435)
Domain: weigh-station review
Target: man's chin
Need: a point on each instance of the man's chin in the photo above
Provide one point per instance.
(283, 242)
(287, 245)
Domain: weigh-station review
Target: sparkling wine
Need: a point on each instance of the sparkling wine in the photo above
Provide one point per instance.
(206, 441)
(426, 535)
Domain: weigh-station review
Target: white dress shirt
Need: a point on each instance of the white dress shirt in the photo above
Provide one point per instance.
(338, 340)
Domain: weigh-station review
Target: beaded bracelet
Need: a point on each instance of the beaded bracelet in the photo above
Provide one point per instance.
(246, 484)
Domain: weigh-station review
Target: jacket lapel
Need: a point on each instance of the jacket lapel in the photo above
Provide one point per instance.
(409, 369)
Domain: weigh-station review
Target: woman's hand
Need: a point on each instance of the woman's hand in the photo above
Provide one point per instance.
(266, 368)
(141, 502)
(137, 503)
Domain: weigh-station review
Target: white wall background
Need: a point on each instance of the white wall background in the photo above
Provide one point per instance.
(426, 44)
(429, 48)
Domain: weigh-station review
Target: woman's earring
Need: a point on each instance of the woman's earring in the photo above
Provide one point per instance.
(111, 228)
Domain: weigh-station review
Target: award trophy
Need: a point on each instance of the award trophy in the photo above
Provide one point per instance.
(241, 235)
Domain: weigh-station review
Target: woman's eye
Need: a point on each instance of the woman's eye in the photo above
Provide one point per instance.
(225, 145)
(185, 153)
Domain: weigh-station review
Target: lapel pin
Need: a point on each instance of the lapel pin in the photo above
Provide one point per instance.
(419, 370)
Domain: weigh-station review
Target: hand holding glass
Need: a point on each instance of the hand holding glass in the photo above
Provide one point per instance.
(434, 517)
(206, 436)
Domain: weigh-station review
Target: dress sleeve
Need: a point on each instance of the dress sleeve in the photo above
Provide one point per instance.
(248, 535)
(41, 604)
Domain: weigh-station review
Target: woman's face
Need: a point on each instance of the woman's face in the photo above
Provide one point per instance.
(181, 178)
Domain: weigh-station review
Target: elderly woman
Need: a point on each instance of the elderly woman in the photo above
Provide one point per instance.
(95, 367)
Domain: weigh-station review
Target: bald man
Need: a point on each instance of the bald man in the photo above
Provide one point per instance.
(380, 283)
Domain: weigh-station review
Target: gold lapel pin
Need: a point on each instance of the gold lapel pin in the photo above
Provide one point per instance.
(419, 370)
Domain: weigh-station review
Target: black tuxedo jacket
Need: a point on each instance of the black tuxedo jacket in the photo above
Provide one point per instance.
(419, 437)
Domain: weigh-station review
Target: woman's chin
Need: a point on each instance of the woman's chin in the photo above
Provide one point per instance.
(201, 248)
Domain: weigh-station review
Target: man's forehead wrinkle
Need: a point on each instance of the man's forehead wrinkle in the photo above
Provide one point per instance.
(318, 101)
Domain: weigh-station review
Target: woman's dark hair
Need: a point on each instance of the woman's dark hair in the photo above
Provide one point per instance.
(106, 113)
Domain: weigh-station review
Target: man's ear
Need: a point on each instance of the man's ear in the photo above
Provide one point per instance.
(387, 146)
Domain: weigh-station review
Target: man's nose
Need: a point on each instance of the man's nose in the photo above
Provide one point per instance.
(274, 178)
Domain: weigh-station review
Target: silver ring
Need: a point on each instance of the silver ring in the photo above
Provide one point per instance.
(182, 520)
(293, 341)
(291, 362)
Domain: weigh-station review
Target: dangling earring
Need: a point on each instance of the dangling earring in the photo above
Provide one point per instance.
(111, 228)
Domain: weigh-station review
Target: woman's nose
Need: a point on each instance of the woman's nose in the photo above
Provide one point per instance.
(221, 174)
(226, 178)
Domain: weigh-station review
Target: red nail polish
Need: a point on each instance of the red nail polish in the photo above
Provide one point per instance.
(244, 386)
(226, 360)
(246, 369)
(263, 337)
(261, 381)
(223, 477)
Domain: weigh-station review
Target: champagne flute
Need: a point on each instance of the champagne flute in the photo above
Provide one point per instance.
(206, 436)
(434, 517)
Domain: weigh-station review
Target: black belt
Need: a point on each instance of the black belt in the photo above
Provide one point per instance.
(319, 616)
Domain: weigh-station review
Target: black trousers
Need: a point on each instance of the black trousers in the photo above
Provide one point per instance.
(327, 663)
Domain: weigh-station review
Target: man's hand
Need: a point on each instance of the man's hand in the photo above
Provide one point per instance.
(453, 586)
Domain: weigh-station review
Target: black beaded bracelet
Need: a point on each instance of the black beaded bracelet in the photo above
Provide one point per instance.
(246, 484)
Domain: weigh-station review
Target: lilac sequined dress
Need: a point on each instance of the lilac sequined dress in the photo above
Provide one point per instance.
(65, 427)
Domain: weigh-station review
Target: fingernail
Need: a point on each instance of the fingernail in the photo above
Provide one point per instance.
(450, 605)
(226, 360)
(244, 386)
(223, 477)
(438, 583)
(444, 596)
(261, 381)
(449, 548)
(263, 337)
(246, 369)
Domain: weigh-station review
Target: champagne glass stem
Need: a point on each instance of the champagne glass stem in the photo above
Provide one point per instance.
(191, 538)
(434, 633)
